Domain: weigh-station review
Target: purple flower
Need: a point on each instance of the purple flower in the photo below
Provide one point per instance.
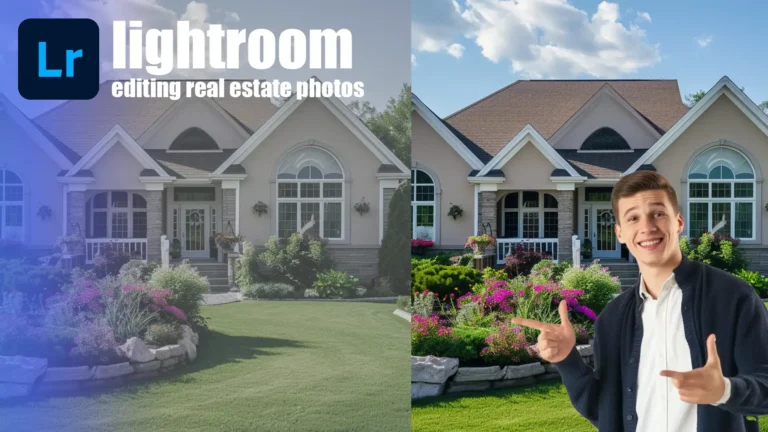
(178, 313)
(589, 313)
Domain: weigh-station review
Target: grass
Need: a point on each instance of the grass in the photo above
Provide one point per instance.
(266, 365)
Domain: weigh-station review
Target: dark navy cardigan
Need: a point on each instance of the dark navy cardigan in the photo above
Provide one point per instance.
(714, 301)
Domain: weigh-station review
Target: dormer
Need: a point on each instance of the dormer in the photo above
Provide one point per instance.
(194, 140)
(605, 139)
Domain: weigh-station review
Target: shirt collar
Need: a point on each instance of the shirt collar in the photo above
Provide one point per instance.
(683, 275)
(666, 286)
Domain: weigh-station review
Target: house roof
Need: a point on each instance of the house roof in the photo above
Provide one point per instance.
(547, 105)
(97, 116)
(601, 165)
(190, 165)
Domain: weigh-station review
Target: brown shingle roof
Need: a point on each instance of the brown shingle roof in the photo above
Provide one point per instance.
(81, 124)
(601, 165)
(190, 165)
(547, 105)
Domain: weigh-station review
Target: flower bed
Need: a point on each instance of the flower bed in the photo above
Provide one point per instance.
(475, 329)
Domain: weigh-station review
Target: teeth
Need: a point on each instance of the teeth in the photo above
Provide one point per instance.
(650, 243)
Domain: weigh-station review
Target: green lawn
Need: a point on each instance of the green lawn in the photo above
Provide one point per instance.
(266, 366)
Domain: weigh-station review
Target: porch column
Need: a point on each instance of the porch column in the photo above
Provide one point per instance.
(229, 203)
(154, 222)
(76, 214)
(565, 232)
(487, 210)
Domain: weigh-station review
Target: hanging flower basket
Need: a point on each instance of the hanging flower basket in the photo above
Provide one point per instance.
(455, 211)
(479, 244)
(259, 208)
(228, 242)
(362, 207)
(68, 244)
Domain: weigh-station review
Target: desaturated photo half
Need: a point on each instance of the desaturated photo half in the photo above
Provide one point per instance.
(204, 216)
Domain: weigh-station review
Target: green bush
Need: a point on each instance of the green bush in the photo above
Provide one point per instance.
(395, 250)
(136, 272)
(716, 250)
(548, 270)
(297, 259)
(246, 266)
(269, 290)
(444, 280)
(467, 347)
(335, 283)
(161, 334)
(758, 281)
(404, 303)
(126, 315)
(187, 286)
(37, 283)
(597, 283)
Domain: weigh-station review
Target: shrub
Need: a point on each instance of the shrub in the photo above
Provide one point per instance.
(187, 287)
(269, 290)
(335, 283)
(444, 280)
(507, 345)
(471, 315)
(716, 250)
(464, 344)
(521, 261)
(424, 303)
(758, 281)
(161, 334)
(298, 259)
(382, 288)
(136, 272)
(95, 343)
(442, 258)
(597, 283)
(549, 270)
(404, 303)
(109, 260)
(37, 283)
(394, 252)
(310, 293)
(246, 266)
(538, 303)
(126, 314)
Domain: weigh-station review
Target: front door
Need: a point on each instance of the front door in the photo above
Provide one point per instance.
(604, 241)
(194, 231)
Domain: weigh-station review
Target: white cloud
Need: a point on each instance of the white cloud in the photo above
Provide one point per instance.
(232, 16)
(196, 12)
(704, 41)
(413, 59)
(643, 16)
(538, 38)
(456, 50)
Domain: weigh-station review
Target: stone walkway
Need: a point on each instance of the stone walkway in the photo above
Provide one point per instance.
(221, 298)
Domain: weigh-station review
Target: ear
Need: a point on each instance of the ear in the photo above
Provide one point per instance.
(680, 223)
(617, 230)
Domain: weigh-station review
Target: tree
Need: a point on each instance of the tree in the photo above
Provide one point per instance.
(692, 98)
(395, 251)
(393, 125)
(764, 106)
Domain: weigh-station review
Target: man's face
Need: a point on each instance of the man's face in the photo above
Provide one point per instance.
(649, 226)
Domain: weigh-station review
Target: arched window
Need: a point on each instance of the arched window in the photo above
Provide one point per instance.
(422, 205)
(11, 206)
(117, 214)
(722, 188)
(193, 139)
(605, 139)
(529, 214)
(310, 193)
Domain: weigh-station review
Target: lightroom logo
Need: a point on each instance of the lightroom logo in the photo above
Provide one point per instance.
(58, 59)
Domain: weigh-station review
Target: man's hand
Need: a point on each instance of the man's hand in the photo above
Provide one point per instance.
(705, 385)
(556, 341)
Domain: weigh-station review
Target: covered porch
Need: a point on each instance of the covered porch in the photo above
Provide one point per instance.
(527, 218)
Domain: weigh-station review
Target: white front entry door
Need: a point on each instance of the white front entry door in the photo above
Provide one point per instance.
(604, 241)
(194, 231)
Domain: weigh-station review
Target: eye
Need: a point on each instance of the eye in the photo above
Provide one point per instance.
(659, 214)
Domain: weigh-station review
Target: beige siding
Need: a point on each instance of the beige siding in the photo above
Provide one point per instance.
(116, 170)
(528, 170)
(193, 113)
(606, 112)
(723, 120)
(312, 121)
(38, 172)
(431, 151)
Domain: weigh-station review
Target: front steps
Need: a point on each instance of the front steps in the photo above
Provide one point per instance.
(215, 271)
(627, 272)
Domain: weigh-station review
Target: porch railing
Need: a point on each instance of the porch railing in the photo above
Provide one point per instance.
(136, 248)
(505, 247)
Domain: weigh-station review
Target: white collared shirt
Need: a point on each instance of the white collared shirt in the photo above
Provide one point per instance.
(659, 408)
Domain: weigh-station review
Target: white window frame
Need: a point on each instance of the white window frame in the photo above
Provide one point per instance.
(109, 210)
(4, 233)
(732, 200)
(298, 200)
(415, 203)
(540, 209)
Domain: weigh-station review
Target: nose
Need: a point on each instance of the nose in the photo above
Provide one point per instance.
(648, 225)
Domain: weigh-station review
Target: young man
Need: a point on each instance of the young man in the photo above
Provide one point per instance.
(686, 350)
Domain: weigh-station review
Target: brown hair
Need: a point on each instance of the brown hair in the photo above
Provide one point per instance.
(640, 181)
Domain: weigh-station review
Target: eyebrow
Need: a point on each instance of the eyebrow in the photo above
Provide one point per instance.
(655, 203)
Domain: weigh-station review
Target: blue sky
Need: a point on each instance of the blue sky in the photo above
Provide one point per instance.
(695, 42)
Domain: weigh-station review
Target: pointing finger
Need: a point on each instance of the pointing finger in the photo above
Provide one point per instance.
(713, 358)
(563, 309)
(538, 325)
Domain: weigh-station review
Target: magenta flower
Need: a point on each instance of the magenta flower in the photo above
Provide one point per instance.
(178, 313)
(589, 313)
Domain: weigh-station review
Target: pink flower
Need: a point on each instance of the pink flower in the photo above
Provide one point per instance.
(589, 313)
(178, 313)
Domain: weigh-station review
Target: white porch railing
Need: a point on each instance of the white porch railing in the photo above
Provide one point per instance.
(136, 248)
(505, 247)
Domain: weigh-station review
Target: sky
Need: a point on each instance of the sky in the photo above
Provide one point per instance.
(464, 50)
(381, 63)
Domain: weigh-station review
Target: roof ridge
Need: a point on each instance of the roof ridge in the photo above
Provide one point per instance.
(482, 99)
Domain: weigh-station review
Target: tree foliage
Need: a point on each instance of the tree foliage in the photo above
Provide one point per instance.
(393, 125)
(395, 251)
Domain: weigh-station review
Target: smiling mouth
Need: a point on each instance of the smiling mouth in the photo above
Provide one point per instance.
(650, 244)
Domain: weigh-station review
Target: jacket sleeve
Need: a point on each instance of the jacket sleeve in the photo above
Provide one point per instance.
(749, 389)
(581, 381)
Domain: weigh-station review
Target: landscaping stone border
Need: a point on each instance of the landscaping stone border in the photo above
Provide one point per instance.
(25, 376)
(402, 314)
(434, 376)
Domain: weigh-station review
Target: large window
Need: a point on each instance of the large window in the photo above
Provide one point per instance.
(310, 194)
(529, 214)
(422, 205)
(605, 139)
(11, 206)
(721, 188)
(116, 215)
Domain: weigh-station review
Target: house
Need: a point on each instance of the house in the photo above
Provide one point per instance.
(535, 163)
(127, 171)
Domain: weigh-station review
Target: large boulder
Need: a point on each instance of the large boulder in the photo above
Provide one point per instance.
(431, 369)
(137, 351)
(488, 373)
(524, 371)
(112, 371)
(21, 370)
(190, 348)
(62, 374)
(421, 390)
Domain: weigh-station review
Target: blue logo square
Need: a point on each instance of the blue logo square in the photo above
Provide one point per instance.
(58, 59)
